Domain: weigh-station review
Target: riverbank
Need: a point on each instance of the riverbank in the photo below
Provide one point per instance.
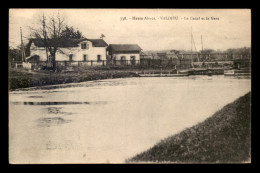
(223, 138)
(20, 78)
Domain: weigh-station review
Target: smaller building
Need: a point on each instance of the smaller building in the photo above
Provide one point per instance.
(123, 54)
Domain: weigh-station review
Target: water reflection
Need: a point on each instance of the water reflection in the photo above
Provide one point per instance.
(35, 96)
(53, 121)
(57, 110)
(57, 103)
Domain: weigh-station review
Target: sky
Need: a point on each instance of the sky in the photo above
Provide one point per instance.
(219, 29)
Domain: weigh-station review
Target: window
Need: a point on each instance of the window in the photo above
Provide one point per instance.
(132, 58)
(70, 57)
(84, 46)
(123, 60)
(85, 57)
(98, 57)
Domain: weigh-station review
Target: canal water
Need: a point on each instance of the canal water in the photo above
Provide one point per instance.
(108, 121)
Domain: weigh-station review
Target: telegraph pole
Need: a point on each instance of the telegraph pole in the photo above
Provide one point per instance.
(22, 47)
(44, 35)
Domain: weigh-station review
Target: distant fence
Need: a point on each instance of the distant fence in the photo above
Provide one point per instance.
(185, 63)
(142, 63)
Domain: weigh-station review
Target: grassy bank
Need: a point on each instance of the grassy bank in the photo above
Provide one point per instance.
(223, 138)
(20, 78)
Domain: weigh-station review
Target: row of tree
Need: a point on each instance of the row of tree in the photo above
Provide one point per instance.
(240, 51)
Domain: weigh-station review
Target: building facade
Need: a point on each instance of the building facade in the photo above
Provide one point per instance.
(123, 54)
(71, 50)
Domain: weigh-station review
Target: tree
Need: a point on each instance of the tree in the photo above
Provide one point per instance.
(208, 51)
(49, 32)
(70, 33)
(14, 54)
(245, 52)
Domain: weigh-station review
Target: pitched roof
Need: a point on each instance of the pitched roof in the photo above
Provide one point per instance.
(124, 47)
(72, 42)
(98, 42)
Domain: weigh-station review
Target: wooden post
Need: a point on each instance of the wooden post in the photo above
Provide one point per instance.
(91, 62)
(22, 46)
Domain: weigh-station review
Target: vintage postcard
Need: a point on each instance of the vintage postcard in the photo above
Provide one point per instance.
(129, 86)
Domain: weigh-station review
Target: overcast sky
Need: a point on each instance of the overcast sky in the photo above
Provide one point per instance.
(232, 30)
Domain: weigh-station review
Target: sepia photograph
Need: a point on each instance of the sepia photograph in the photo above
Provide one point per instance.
(129, 86)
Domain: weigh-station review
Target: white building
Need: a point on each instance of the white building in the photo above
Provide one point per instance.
(71, 50)
(123, 54)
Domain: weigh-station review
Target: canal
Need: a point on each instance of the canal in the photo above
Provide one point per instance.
(108, 121)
